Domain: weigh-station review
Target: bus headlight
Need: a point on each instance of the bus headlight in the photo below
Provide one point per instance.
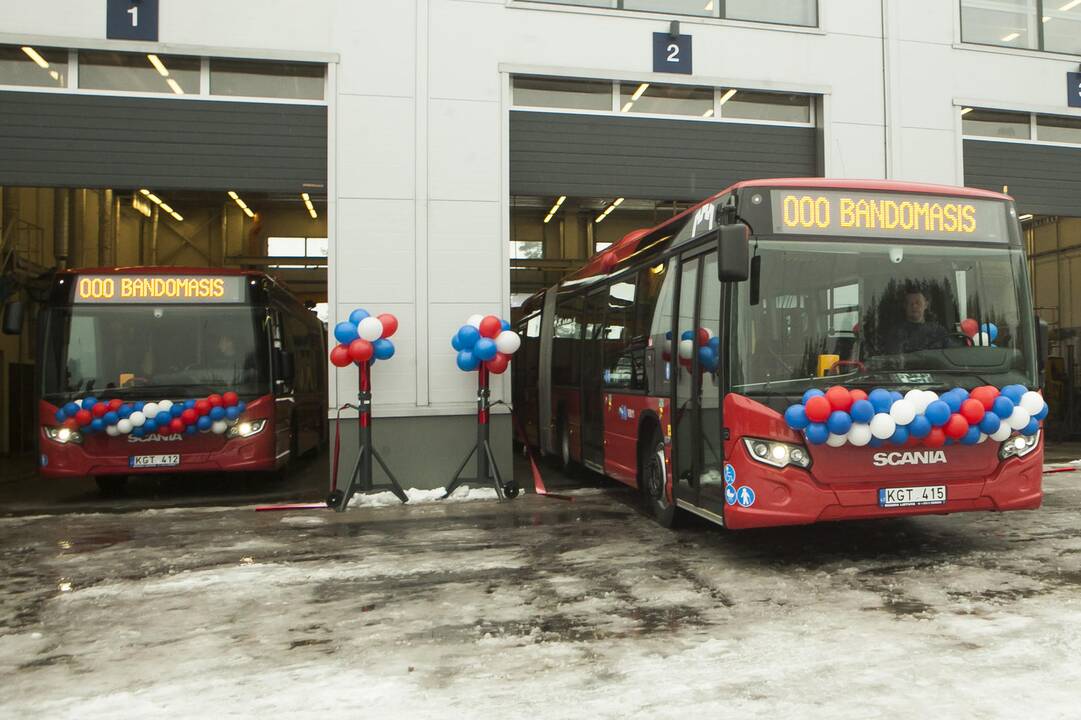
(63, 435)
(246, 428)
(778, 454)
(1018, 446)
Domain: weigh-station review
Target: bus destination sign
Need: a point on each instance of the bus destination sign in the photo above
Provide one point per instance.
(158, 289)
(807, 211)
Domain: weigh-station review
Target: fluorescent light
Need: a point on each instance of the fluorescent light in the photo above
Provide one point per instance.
(232, 195)
(1046, 18)
(33, 54)
(559, 201)
(166, 208)
(627, 106)
(1026, 216)
(617, 202)
(311, 211)
(728, 95)
(1069, 6)
(144, 191)
(305, 197)
(178, 216)
(175, 86)
(708, 113)
(155, 198)
(54, 75)
(158, 65)
(709, 6)
(966, 111)
(247, 211)
(1011, 37)
(638, 93)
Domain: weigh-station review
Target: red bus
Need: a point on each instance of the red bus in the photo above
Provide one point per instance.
(143, 335)
(669, 361)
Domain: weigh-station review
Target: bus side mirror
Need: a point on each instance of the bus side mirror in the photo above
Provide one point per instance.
(733, 253)
(1042, 350)
(13, 318)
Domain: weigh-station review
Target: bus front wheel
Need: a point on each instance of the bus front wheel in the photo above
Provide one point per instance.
(652, 480)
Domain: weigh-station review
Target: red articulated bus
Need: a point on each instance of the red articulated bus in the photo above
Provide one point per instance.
(160, 339)
(670, 360)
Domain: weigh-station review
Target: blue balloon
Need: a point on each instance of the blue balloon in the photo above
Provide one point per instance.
(895, 396)
(204, 423)
(150, 425)
(61, 416)
(668, 335)
(345, 332)
(952, 400)
(961, 393)
(991, 329)
(1042, 413)
(920, 427)
(839, 422)
(89, 403)
(875, 442)
(190, 430)
(71, 408)
(125, 411)
(97, 425)
(383, 349)
(468, 336)
(504, 324)
(217, 413)
(485, 349)
(817, 433)
(241, 405)
(813, 392)
(881, 400)
(163, 418)
(1003, 407)
(189, 404)
(900, 435)
(862, 411)
(139, 431)
(111, 418)
(232, 413)
(467, 361)
(1032, 428)
(972, 436)
(990, 423)
(715, 343)
(357, 315)
(796, 417)
(455, 342)
(1014, 392)
(687, 335)
(707, 358)
(139, 405)
(937, 413)
(176, 410)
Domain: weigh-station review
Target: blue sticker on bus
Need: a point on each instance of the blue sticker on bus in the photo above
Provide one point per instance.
(745, 496)
(729, 474)
(730, 494)
(44, 460)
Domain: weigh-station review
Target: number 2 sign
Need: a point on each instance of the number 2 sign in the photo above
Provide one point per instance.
(131, 19)
(671, 54)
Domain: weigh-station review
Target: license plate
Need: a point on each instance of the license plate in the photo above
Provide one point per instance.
(910, 496)
(145, 461)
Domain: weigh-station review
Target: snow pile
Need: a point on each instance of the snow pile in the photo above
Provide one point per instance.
(418, 496)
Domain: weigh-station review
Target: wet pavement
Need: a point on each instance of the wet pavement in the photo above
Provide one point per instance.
(539, 608)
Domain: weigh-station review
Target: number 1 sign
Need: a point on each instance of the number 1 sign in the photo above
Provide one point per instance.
(131, 19)
(671, 54)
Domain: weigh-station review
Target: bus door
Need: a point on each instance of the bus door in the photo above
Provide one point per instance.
(593, 379)
(284, 402)
(685, 389)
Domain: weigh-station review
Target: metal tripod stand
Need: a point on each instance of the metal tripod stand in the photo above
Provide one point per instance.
(487, 469)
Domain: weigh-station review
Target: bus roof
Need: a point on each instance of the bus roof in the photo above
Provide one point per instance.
(603, 261)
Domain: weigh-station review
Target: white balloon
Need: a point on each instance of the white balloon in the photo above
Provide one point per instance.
(686, 347)
(124, 426)
(983, 438)
(111, 430)
(151, 410)
(165, 405)
(1019, 418)
(929, 396)
(902, 412)
(836, 440)
(882, 426)
(221, 426)
(370, 329)
(1032, 402)
(137, 419)
(507, 342)
(1003, 432)
(474, 320)
(982, 339)
(913, 396)
(859, 434)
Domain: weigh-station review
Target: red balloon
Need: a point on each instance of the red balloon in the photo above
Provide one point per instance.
(970, 327)
(935, 438)
(214, 400)
(390, 324)
(189, 416)
(360, 350)
(202, 407)
(703, 336)
(83, 417)
(100, 409)
(490, 326)
(956, 426)
(818, 409)
(972, 410)
(840, 398)
(986, 395)
(229, 399)
(115, 404)
(857, 395)
(499, 363)
(176, 425)
(339, 356)
(70, 424)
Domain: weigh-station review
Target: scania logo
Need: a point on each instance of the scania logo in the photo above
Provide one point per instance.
(155, 438)
(919, 457)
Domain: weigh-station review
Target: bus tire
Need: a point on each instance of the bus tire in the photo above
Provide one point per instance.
(564, 444)
(653, 479)
(111, 485)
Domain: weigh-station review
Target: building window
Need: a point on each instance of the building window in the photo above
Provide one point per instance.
(992, 123)
(666, 99)
(1052, 25)
(1052, 128)
(297, 247)
(775, 107)
(780, 12)
(257, 78)
(26, 65)
(138, 72)
(559, 93)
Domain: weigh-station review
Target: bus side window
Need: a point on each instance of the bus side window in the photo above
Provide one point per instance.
(623, 362)
(566, 342)
(659, 319)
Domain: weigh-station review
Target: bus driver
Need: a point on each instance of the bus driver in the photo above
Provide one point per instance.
(916, 332)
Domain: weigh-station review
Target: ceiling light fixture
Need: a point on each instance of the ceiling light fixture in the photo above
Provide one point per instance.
(965, 111)
(238, 201)
(709, 6)
(728, 95)
(708, 113)
(33, 55)
(1026, 216)
(638, 93)
(1011, 37)
(555, 207)
(627, 106)
(162, 204)
(308, 204)
(175, 86)
(608, 210)
(178, 216)
(158, 65)
(1069, 6)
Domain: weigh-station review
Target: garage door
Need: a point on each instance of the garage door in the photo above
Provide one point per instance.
(598, 156)
(69, 140)
(1044, 179)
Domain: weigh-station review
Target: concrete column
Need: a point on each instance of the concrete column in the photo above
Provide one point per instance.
(154, 235)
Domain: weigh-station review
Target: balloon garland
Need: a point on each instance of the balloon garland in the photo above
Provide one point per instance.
(485, 339)
(841, 416)
(980, 335)
(214, 413)
(363, 338)
(709, 348)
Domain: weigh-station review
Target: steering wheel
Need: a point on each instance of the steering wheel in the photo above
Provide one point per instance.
(847, 363)
(136, 381)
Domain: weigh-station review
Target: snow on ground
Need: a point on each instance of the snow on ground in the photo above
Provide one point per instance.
(540, 608)
(417, 496)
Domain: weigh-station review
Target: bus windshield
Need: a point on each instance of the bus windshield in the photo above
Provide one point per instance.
(172, 351)
(862, 314)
